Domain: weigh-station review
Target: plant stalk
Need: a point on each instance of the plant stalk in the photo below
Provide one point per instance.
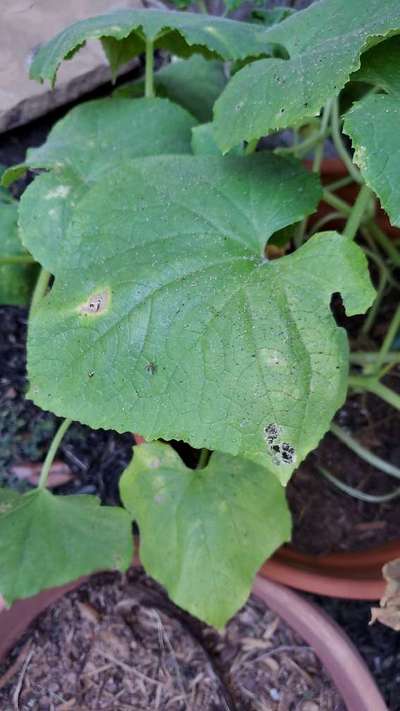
(339, 145)
(204, 457)
(356, 493)
(149, 70)
(17, 259)
(40, 289)
(372, 385)
(357, 212)
(52, 453)
(364, 453)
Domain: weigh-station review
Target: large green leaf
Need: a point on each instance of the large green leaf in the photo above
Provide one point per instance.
(16, 280)
(204, 533)
(48, 540)
(324, 43)
(87, 143)
(194, 83)
(373, 126)
(166, 318)
(182, 33)
(380, 66)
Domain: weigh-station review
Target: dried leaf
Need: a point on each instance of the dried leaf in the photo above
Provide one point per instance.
(389, 611)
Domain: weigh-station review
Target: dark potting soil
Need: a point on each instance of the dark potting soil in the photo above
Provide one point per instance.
(118, 643)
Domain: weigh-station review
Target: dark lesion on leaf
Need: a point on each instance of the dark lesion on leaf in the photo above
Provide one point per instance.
(281, 452)
(151, 368)
(97, 303)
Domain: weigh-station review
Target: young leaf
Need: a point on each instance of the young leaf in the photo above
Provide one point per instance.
(204, 533)
(372, 125)
(167, 319)
(182, 33)
(16, 280)
(195, 84)
(87, 143)
(324, 43)
(48, 540)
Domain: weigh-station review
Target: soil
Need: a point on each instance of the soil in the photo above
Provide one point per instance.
(118, 643)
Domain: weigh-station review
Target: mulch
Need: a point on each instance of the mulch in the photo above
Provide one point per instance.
(118, 643)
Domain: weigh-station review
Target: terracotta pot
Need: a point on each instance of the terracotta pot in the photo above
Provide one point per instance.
(350, 575)
(336, 652)
(333, 169)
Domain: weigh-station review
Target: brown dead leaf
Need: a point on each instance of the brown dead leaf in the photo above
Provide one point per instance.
(59, 475)
(389, 611)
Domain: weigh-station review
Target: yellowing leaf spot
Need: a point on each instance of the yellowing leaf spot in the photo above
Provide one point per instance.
(61, 191)
(96, 304)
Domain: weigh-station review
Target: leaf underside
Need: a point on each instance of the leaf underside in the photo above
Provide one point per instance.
(48, 540)
(373, 126)
(16, 280)
(195, 84)
(166, 319)
(324, 43)
(204, 533)
(91, 140)
(182, 33)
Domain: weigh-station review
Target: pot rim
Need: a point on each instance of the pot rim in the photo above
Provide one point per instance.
(330, 643)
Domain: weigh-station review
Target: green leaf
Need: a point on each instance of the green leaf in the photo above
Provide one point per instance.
(48, 540)
(167, 320)
(373, 126)
(272, 16)
(16, 280)
(324, 43)
(195, 84)
(182, 33)
(204, 533)
(86, 144)
(380, 67)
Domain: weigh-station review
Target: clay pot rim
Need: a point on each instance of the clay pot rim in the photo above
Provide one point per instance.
(330, 643)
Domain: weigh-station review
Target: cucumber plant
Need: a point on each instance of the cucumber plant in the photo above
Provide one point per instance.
(158, 308)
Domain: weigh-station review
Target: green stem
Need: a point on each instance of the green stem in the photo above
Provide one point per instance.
(336, 202)
(374, 310)
(325, 220)
(204, 457)
(356, 493)
(339, 145)
(364, 453)
(341, 183)
(149, 70)
(357, 212)
(17, 259)
(52, 453)
(202, 7)
(40, 288)
(251, 147)
(301, 149)
(389, 338)
(372, 385)
(384, 242)
(369, 357)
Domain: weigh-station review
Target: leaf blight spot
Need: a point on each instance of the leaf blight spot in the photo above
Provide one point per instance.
(97, 304)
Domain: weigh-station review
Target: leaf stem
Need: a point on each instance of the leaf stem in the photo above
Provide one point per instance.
(364, 453)
(149, 70)
(336, 202)
(339, 145)
(356, 493)
(40, 288)
(52, 453)
(389, 338)
(372, 385)
(357, 212)
(204, 457)
(384, 242)
(251, 147)
(17, 259)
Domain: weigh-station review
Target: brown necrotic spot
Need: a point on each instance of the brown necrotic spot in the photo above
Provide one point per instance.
(96, 304)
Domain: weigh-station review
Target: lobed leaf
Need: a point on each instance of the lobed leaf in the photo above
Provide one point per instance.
(166, 318)
(182, 33)
(372, 125)
(204, 533)
(48, 540)
(324, 44)
(92, 139)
